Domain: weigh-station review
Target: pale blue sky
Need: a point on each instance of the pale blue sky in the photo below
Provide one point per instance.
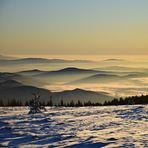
(74, 26)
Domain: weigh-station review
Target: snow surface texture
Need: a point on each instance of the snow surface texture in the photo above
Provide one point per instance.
(116, 126)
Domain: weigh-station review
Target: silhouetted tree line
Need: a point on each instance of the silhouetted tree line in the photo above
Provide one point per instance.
(13, 102)
(78, 104)
(16, 102)
(133, 100)
(143, 99)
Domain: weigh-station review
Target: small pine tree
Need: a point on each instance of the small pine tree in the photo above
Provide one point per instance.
(35, 105)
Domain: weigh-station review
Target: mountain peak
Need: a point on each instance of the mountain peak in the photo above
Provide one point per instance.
(69, 69)
(78, 89)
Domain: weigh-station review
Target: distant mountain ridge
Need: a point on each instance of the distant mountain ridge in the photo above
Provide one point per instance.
(121, 69)
(7, 76)
(31, 72)
(11, 89)
(61, 71)
(68, 70)
(40, 60)
(10, 84)
(24, 79)
(82, 95)
(115, 60)
(58, 76)
(97, 78)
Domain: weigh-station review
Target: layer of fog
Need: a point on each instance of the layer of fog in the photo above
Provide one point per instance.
(126, 87)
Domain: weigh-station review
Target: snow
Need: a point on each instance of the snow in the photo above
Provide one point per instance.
(110, 126)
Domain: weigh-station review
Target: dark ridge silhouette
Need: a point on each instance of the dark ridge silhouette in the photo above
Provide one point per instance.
(69, 70)
(24, 79)
(11, 89)
(82, 95)
(74, 69)
(10, 84)
(7, 76)
(31, 72)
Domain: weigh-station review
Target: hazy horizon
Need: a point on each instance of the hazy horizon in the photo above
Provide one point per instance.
(92, 57)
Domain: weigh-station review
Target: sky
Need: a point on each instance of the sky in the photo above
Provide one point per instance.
(77, 27)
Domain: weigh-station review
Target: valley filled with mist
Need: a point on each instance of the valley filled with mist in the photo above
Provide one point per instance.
(73, 79)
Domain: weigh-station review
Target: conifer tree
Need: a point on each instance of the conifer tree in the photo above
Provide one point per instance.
(35, 105)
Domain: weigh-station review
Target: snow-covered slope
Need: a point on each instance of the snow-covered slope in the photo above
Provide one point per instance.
(115, 126)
